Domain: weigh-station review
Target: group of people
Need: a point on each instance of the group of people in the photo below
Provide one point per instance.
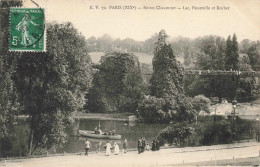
(155, 145)
(142, 145)
(109, 147)
(114, 147)
(99, 131)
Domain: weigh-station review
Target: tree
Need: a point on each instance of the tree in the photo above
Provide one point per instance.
(244, 45)
(9, 104)
(149, 43)
(210, 54)
(201, 103)
(231, 57)
(151, 109)
(92, 44)
(117, 85)
(254, 55)
(166, 87)
(51, 85)
(247, 89)
(104, 43)
(167, 77)
(177, 133)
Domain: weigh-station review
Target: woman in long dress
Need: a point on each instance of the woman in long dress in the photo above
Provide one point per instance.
(108, 147)
(116, 148)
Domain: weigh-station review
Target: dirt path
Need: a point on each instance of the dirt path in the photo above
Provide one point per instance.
(164, 157)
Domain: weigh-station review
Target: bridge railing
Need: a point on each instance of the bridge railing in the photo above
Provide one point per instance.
(220, 72)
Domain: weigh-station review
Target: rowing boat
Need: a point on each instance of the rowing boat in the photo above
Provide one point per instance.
(92, 134)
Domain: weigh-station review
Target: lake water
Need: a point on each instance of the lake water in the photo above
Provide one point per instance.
(129, 130)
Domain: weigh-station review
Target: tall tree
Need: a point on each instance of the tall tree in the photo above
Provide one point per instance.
(51, 85)
(235, 53)
(231, 57)
(117, 85)
(9, 104)
(167, 77)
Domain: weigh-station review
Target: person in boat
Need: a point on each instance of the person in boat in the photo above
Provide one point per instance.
(112, 132)
(125, 145)
(96, 130)
(105, 133)
(116, 148)
(99, 131)
(87, 146)
(108, 148)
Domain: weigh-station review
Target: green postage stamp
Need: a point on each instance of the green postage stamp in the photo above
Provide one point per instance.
(27, 29)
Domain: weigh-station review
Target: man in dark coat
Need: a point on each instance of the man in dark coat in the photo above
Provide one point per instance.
(143, 144)
(139, 145)
(153, 145)
(157, 144)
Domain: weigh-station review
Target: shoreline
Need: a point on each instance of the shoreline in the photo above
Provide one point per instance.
(100, 116)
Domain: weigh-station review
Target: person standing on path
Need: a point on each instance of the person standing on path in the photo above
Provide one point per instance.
(108, 147)
(157, 144)
(98, 145)
(87, 146)
(139, 145)
(125, 145)
(116, 148)
(143, 144)
(154, 145)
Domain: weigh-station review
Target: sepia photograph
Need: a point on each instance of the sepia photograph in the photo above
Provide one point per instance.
(129, 83)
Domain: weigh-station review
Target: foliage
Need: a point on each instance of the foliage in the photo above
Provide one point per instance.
(9, 104)
(167, 77)
(218, 133)
(117, 85)
(201, 103)
(207, 131)
(213, 53)
(247, 89)
(107, 43)
(209, 55)
(231, 58)
(151, 109)
(176, 109)
(51, 85)
(177, 133)
(253, 53)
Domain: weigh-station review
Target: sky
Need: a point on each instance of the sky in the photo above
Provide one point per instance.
(242, 17)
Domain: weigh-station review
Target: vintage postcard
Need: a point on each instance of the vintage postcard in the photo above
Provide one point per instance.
(129, 83)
